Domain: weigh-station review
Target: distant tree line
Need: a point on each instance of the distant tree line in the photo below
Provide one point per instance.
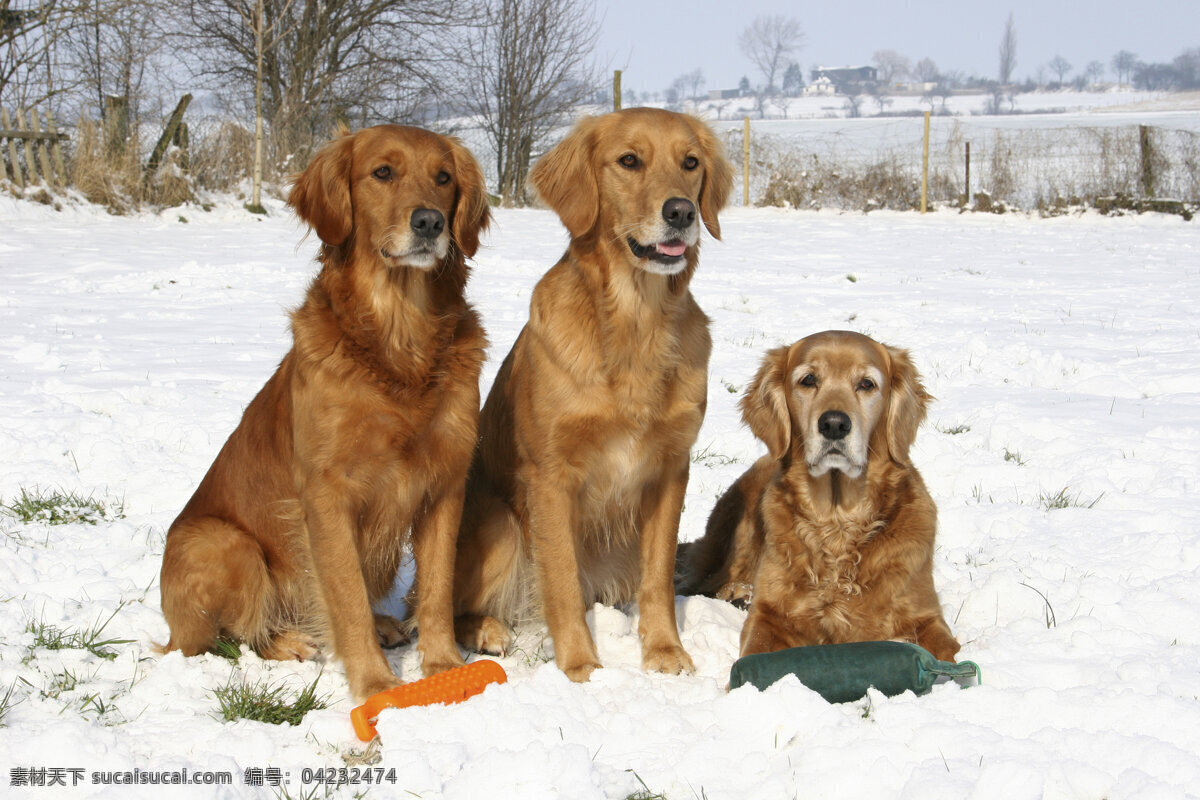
(770, 42)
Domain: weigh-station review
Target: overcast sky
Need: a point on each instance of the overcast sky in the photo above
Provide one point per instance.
(654, 43)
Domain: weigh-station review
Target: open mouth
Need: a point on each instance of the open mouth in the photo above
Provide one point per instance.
(666, 252)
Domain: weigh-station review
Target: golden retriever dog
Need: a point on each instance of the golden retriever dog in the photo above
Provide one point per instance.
(362, 438)
(830, 535)
(575, 493)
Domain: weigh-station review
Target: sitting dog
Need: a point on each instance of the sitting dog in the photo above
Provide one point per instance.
(362, 438)
(576, 489)
(829, 537)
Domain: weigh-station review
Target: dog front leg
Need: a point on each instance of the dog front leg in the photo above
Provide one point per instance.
(661, 649)
(765, 632)
(435, 531)
(556, 558)
(344, 592)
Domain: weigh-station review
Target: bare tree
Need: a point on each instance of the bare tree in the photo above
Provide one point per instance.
(1093, 72)
(686, 87)
(114, 47)
(1155, 77)
(1187, 66)
(1008, 51)
(31, 34)
(693, 83)
(997, 95)
(331, 60)
(527, 67)
(793, 80)
(267, 36)
(890, 66)
(768, 43)
(853, 105)
(1123, 63)
(941, 91)
(878, 93)
(1060, 67)
(951, 78)
(927, 71)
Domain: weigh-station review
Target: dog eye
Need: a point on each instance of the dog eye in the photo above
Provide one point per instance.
(690, 163)
(866, 385)
(383, 173)
(629, 161)
(443, 178)
(809, 380)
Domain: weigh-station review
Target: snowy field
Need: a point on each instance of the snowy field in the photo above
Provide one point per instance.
(1065, 358)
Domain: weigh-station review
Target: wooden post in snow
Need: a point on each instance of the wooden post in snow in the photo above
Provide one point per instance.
(967, 187)
(746, 163)
(168, 133)
(925, 168)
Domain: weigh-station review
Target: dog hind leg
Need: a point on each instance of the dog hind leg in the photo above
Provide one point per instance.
(214, 581)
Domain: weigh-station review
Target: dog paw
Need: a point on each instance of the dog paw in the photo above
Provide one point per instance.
(391, 631)
(481, 634)
(672, 660)
(291, 646)
(366, 688)
(493, 637)
(740, 594)
(580, 673)
(432, 665)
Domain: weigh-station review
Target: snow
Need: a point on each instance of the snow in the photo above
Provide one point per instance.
(1065, 358)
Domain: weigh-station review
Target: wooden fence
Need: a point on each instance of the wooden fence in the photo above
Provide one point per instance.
(30, 153)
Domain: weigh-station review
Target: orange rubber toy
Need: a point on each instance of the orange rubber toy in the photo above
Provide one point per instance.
(452, 686)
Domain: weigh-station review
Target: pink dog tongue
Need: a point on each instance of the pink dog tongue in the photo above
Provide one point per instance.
(672, 249)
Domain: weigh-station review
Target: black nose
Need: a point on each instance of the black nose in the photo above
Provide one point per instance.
(833, 425)
(679, 212)
(427, 223)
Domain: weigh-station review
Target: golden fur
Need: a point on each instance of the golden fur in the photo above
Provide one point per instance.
(576, 490)
(830, 535)
(363, 434)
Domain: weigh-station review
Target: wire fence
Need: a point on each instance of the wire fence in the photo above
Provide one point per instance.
(1032, 162)
(878, 164)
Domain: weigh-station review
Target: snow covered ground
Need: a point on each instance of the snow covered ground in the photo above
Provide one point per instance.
(1065, 358)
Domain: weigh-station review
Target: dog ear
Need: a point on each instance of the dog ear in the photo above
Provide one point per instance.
(764, 403)
(565, 180)
(718, 177)
(472, 213)
(907, 404)
(321, 193)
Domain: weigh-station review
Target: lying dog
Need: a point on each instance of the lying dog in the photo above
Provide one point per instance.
(576, 491)
(364, 433)
(830, 535)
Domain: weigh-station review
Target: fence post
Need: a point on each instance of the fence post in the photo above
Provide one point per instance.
(180, 140)
(18, 178)
(1147, 150)
(168, 133)
(616, 90)
(967, 192)
(925, 167)
(116, 124)
(56, 149)
(746, 163)
(43, 149)
(27, 146)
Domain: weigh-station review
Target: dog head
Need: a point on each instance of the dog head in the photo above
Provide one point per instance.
(643, 179)
(405, 195)
(836, 401)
